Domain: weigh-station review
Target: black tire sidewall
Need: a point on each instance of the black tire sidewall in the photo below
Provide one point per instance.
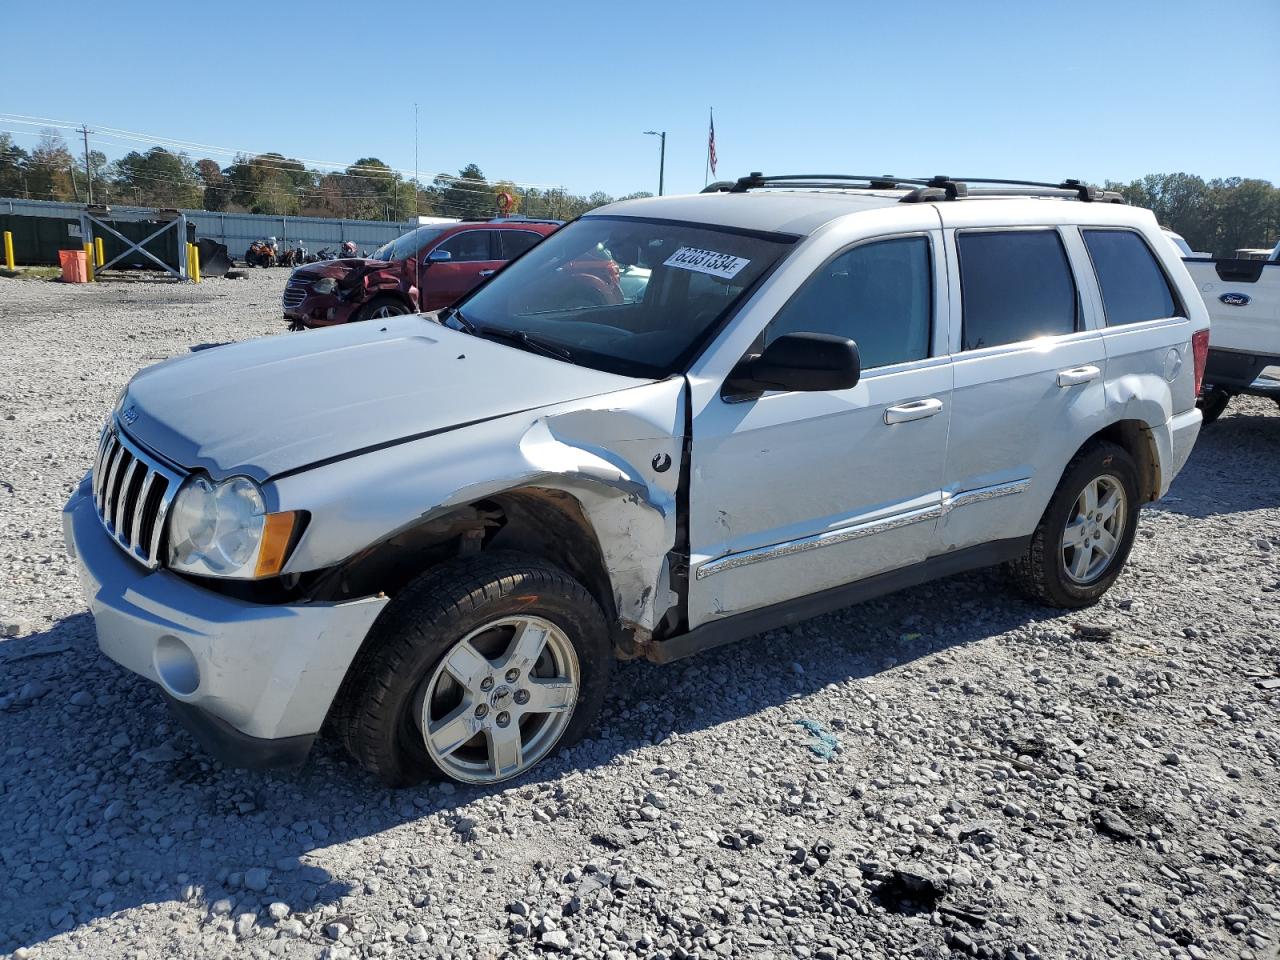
(520, 586)
(367, 311)
(1105, 459)
(1213, 404)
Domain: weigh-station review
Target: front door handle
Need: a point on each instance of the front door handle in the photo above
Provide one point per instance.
(1078, 375)
(916, 410)
(487, 273)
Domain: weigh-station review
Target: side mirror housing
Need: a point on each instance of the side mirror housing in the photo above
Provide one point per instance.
(797, 362)
(439, 256)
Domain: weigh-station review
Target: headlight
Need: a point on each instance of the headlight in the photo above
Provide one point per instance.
(325, 285)
(223, 530)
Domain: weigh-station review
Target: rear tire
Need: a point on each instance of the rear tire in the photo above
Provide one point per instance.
(1213, 404)
(1084, 538)
(429, 690)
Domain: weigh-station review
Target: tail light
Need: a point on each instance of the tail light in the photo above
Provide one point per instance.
(1200, 353)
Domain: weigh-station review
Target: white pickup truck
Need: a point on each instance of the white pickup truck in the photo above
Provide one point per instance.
(1243, 298)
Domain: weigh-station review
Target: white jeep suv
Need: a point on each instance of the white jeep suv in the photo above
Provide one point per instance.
(438, 531)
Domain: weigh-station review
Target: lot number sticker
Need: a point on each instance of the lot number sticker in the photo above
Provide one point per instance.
(722, 265)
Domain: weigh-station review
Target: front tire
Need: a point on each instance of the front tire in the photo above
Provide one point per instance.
(1084, 538)
(477, 671)
(381, 308)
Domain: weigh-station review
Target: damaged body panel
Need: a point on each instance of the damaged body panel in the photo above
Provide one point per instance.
(601, 452)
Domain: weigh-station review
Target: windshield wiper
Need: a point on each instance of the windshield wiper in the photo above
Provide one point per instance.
(454, 313)
(524, 340)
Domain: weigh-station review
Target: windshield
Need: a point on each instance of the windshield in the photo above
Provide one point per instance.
(631, 296)
(401, 248)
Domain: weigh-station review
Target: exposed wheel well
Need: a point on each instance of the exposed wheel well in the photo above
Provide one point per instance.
(1135, 437)
(545, 523)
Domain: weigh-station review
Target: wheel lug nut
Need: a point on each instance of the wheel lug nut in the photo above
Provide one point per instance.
(522, 697)
(486, 684)
(504, 718)
(513, 675)
(481, 709)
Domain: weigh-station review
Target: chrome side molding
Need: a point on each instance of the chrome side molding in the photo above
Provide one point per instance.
(857, 530)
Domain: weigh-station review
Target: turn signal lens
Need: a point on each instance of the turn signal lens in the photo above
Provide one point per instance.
(277, 531)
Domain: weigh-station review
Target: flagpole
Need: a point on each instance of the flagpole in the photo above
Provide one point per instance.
(706, 173)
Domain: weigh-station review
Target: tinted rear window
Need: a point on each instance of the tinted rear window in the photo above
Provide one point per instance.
(1016, 286)
(1134, 288)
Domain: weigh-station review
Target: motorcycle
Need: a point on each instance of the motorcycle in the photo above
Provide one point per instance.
(261, 254)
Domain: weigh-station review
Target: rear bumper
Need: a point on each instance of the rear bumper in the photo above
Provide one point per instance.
(254, 682)
(1174, 441)
(1240, 372)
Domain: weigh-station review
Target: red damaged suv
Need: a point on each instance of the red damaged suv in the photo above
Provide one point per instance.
(426, 269)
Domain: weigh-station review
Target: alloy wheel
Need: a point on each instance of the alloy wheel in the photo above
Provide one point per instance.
(1095, 527)
(499, 700)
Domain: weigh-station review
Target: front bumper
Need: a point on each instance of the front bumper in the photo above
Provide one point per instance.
(321, 310)
(252, 681)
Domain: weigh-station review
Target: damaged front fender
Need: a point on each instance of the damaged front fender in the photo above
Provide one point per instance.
(617, 455)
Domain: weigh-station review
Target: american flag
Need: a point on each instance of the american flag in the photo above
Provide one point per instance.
(711, 143)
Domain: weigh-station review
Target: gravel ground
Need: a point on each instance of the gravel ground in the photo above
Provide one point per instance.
(1006, 782)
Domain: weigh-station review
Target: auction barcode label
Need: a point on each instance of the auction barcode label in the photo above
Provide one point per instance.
(723, 265)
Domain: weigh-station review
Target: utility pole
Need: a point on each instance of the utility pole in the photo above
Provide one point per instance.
(415, 160)
(662, 155)
(88, 170)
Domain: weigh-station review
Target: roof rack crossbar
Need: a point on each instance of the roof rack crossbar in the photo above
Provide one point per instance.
(1083, 191)
(879, 181)
(939, 187)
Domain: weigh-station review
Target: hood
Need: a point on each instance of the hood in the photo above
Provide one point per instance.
(282, 403)
(330, 268)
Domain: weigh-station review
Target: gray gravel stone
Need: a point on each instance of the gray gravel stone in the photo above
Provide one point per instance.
(953, 702)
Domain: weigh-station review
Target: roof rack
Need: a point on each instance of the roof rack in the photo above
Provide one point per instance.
(922, 190)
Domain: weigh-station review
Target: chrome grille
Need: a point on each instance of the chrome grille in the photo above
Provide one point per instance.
(294, 293)
(132, 493)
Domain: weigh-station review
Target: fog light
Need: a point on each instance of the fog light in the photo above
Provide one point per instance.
(176, 666)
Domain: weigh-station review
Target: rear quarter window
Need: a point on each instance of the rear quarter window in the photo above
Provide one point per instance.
(1134, 287)
(1015, 285)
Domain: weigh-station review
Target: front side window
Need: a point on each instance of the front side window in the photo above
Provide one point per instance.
(469, 246)
(638, 297)
(1016, 285)
(1134, 288)
(879, 294)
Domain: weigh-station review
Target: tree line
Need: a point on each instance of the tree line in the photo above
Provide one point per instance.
(1214, 216)
(1217, 216)
(273, 184)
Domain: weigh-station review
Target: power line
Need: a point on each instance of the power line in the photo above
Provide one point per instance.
(229, 151)
(471, 185)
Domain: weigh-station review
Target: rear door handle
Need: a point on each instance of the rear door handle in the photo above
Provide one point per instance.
(487, 273)
(1078, 375)
(916, 410)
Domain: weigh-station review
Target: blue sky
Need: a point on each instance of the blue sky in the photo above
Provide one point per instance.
(559, 93)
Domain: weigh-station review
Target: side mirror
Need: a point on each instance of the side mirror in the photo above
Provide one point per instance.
(439, 256)
(800, 362)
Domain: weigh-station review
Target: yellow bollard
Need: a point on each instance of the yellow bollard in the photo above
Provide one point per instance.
(193, 261)
(8, 249)
(98, 251)
(88, 263)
